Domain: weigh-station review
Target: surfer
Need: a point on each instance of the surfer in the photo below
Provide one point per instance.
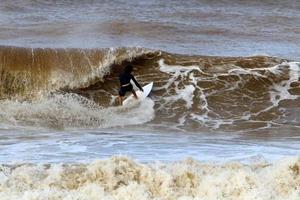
(125, 84)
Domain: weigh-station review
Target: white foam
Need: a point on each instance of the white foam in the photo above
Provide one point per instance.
(185, 94)
(120, 178)
(280, 91)
(177, 69)
(182, 74)
(213, 123)
(71, 110)
(184, 84)
(179, 73)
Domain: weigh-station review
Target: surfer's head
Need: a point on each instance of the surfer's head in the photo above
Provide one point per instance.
(128, 69)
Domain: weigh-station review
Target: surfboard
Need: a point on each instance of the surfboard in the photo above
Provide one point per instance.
(141, 95)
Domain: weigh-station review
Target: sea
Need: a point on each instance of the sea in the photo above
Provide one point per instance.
(222, 120)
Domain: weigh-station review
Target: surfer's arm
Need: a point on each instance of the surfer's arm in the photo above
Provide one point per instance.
(136, 83)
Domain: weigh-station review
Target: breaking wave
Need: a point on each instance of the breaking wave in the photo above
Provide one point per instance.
(78, 87)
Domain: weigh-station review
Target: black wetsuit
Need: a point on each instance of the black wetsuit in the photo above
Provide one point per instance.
(125, 83)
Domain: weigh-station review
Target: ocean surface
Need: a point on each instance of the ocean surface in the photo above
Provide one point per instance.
(222, 120)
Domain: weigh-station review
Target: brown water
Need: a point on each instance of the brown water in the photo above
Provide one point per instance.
(226, 94)
(192, 93)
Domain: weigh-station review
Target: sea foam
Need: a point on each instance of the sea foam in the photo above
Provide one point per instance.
(123, 178)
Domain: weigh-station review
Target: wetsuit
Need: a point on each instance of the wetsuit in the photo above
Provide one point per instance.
(126, 85)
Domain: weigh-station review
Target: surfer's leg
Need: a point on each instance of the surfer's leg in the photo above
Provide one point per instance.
(120, 100)
(121, 96)
(134, 94)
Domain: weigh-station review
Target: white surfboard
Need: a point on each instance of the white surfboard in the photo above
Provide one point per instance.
(141, 95)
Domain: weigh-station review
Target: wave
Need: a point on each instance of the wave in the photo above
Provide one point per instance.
(26, 72)
(123, 178)
(191, 92)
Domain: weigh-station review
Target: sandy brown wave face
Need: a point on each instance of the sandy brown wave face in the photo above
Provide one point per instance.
(122, 178)
(190, 92)
(25, 72)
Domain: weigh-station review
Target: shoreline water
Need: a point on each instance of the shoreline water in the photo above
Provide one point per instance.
(123, 178)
